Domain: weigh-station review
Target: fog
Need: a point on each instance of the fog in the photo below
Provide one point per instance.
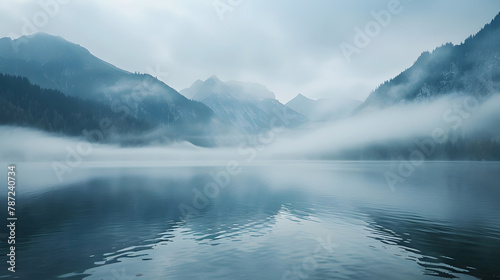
(406, 123)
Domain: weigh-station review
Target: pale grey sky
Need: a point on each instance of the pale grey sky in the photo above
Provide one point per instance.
(291, 46)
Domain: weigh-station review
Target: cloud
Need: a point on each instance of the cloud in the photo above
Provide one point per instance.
(289, 46)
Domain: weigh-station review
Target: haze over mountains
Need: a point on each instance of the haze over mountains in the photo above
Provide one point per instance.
(324, 109)
(55, 63)
(471, 68)
(249, 106)
(218, 113)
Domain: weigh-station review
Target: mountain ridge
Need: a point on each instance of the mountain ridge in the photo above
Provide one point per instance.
(249, 106)
(324, 109)
(55, 63)
(470, 68)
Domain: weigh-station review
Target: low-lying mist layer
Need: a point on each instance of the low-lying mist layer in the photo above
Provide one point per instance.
(446, 120)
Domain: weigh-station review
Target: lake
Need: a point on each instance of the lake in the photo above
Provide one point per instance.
(271, 220)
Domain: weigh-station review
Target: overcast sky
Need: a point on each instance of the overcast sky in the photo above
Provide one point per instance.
(290, 46)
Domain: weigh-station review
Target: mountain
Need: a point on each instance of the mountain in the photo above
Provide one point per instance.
(28, 105)
(471, 68)
(54, 63)
(249, 106)
(324, 109)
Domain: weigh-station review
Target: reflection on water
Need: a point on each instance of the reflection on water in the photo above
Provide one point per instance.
(310, 220)
(441, 248)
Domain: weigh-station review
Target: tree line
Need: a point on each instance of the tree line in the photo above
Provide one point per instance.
(28, 105)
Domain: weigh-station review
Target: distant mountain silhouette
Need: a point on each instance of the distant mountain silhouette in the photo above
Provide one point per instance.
(249, 106)
(324, 109)
(471, 68)
(55, 63)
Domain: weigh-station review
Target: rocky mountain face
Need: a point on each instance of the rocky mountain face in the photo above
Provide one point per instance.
(249, 106)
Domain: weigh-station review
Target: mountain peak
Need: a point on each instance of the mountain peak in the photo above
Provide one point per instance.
(46, 39)
(300, 96)
(247, 105)
(43, 35)
(32, 36)
(213, 79)
(42, 47)
(250, 90)
(470, 68)
(300, 100)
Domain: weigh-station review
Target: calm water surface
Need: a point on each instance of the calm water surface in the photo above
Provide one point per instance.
(285, 220)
